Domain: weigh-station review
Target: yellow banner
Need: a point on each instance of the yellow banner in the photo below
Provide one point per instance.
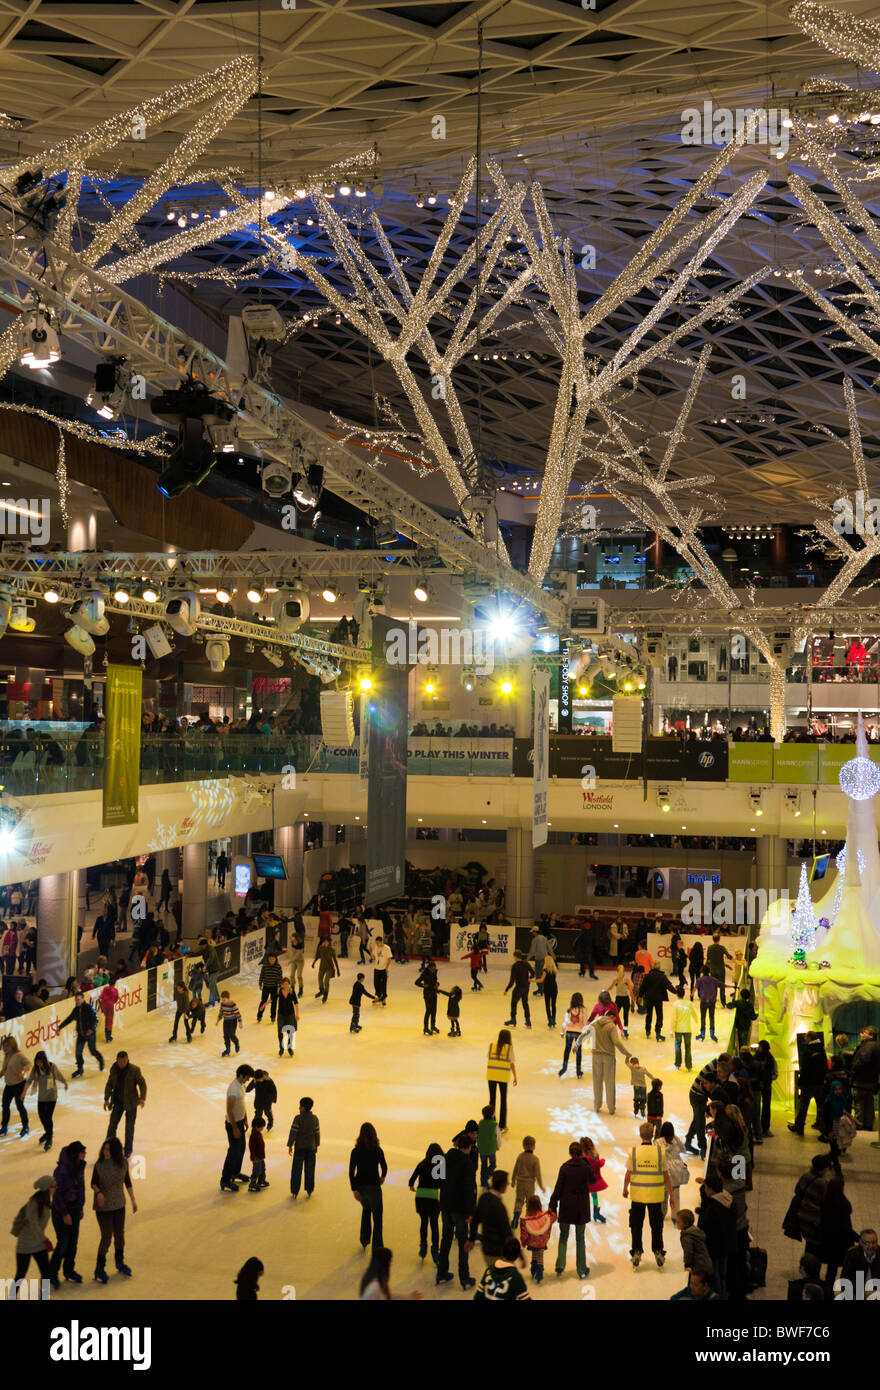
(122, 744)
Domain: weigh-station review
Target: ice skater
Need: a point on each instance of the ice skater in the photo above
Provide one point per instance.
(265, 1096)
(287, 1018)
(257, 1150)
(453, 1010)
(83, 1017)
(358, 990)
(475, 958)
(231, 1018)
(427, 982)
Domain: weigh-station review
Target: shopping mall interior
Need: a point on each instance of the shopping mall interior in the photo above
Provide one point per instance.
(473, 401)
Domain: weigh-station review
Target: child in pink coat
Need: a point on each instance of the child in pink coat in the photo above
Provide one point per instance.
(534, 1234)
(598, 1184)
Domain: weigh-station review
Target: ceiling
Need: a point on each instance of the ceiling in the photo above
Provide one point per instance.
(587, 101)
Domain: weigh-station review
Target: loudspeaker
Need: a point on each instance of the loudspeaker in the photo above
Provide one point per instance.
(157, 641)
(337, 717)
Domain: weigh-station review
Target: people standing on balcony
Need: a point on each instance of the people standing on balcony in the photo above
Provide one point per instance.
(165, 892)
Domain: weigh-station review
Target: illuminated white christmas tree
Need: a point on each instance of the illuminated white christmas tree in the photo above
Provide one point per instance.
(803, 921)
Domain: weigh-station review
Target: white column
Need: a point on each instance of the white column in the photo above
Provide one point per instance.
(56, 927)
(289, 841)
(520, 886)
(195, 889)
(772, 865)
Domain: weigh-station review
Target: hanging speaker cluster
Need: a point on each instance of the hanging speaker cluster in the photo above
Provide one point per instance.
(337, 717)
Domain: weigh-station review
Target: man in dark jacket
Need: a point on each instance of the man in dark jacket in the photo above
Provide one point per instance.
(717, 1217)
(124, 1094)
(104, 933)
(571, 1202)
(813, 1068)
(212, 969)
(458, 1200)
(83, 1018)
(864, 1072)
(716, 955)
(655, 992)
(585, 950)
(520, 975)
(490, 1223)
(68, 1201)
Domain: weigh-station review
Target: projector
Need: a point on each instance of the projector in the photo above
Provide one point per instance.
(291, 609)
(157, 641)
(80, 640)
(182, 613)
(20, 620)
(88, 613)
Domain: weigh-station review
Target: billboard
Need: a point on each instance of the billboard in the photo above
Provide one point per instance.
(386, 777)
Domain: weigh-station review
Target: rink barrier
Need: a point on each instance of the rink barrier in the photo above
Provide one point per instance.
(140, 993)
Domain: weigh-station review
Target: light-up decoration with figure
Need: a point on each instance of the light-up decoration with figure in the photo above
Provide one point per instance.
(801, 976)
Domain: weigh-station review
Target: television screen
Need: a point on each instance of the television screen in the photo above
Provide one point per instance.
(269, 866)
(820, 867)
(242, 879)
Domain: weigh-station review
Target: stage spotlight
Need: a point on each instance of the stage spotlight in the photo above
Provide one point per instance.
(421, 592)
(255, 594)
(182, 613)
(290, 609)
(150, 594)
(276, 478)
(121, 594)
(506, 685)
(39, 345)
(217, 652)
(223, 594)
(307, 490)
(329, 594)
(51, 596)
(88, 613)
(365, 682)
(431, 681)
(80, 640)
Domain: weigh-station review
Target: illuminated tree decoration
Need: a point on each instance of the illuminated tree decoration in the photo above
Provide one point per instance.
(803, 923)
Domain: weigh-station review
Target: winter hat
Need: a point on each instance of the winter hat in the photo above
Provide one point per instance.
(43, 1184)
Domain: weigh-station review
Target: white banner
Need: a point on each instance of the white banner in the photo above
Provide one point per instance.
(502, 941)
(541, 760)
(626, 729)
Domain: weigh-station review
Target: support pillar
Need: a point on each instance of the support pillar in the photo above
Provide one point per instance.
(289, 843)
(520, 886)
(195, 889)
(241, 845)
(772, 864)
(56, 927)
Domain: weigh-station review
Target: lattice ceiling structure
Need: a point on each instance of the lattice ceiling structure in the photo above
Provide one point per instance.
(559, 84)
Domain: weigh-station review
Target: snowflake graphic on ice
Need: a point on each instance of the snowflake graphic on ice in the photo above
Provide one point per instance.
(576, 1120)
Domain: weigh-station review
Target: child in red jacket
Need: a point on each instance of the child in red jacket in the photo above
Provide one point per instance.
(257, 1150)
(107, 1001)
(598, 1184)
(534, 1234)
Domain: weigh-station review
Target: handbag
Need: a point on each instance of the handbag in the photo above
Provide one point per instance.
(791, 1225)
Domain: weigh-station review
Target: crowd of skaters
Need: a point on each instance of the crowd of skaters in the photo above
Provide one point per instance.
(730, 1100)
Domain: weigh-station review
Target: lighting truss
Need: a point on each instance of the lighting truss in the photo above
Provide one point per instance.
(104, 319)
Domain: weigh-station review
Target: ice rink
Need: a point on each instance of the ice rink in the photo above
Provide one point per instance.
(188, 1238)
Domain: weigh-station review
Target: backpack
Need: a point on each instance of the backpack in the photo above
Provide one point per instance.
(846, 1131)
(20, 1222)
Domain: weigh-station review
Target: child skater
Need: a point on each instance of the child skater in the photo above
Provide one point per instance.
(598, 1183)
(232, 1020)
(655, 1104)
(453, 1009)
(358, 990)
(257, 1149)
(475, 957)
(534, 1231)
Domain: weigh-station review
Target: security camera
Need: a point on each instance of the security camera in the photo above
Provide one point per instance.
(88, 614)
(217, 652)
(79, 639)
(290, 609)
(276, 478)
(182, 612)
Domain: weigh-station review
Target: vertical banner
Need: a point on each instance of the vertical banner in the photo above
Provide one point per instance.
(122, 744)
(541, 759)
(565, 686)
(364, 741)
(386, 776)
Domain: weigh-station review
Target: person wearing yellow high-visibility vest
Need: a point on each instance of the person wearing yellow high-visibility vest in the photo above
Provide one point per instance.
(647, 1182)
(500, 1069)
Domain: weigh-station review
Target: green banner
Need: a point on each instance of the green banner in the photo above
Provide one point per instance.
(796, 762)
(122, 744)
(750, 762)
